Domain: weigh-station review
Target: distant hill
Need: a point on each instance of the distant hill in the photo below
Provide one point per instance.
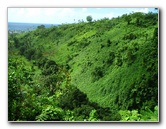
(18, 27)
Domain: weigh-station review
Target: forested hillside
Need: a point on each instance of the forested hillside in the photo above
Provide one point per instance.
(104, 70)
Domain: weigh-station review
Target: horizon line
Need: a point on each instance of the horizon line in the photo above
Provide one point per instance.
(33, 23)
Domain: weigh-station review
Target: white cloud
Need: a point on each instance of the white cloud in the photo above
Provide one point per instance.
(65, 15)
(33, 12)
(143, 10)
(84, 10)
(50, 11)
(146, 10)
(52, 15)
(20, 11)
(67, 12)
(39, 14)
(110, 15)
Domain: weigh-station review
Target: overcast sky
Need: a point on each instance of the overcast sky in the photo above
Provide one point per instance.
(66, 15)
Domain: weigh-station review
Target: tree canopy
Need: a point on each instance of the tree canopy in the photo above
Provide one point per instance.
(89, 18)
(103, 71)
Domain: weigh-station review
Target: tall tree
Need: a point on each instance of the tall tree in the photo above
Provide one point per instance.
(89, 18)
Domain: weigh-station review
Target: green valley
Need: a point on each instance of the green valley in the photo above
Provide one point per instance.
(104, 70)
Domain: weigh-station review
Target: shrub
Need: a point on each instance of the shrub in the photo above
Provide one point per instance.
(111, 58)
(51, 113)
(97, 73)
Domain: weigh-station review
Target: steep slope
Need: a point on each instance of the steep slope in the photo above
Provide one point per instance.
(114, 62)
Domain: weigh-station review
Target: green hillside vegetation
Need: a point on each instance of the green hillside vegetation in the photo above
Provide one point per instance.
(104, 70)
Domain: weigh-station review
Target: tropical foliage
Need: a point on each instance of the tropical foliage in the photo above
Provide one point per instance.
(103, 71)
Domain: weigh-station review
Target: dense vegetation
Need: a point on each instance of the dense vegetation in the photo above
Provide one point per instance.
(105, 70)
